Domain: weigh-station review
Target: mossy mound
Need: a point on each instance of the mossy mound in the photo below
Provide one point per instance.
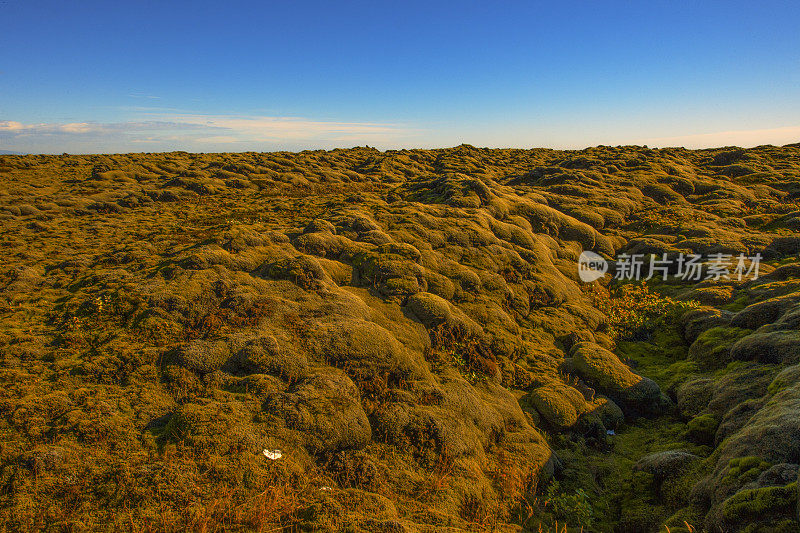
(204, 356)
(559, 404)
(663, 465)
(768, 508)
(712, 348)
(702, 428)
(773, 347)
(325, 410)
(604, 371)
(266, 355)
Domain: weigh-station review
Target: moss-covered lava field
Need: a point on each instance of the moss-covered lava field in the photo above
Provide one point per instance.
(367, 341)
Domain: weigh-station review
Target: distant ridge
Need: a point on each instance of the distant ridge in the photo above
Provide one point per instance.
(9, 152)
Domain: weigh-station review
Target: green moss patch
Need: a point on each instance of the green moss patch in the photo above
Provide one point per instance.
(757, 503)
(712, 348)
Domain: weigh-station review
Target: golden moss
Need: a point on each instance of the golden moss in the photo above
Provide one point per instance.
(166, 317)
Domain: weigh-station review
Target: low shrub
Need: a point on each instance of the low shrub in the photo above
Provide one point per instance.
(634, 312)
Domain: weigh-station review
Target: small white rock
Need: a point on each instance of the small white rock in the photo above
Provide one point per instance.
(610, 432)
(273, 454)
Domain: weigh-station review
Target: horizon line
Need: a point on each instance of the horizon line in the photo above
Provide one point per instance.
(419, 148)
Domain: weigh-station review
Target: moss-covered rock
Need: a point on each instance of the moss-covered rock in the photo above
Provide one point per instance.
(559, 404)
(758, 314)
(757, 504)
(773, 347)
(325, 408)
(603, 370)
(778, 475)
(663, 465)
(434, 311)
(693, 395)
(787, 377)
(702, 428)
(265, 355)
(203, 356)
(304, 270)
(368, 353)
(214, 427)
(712, 348)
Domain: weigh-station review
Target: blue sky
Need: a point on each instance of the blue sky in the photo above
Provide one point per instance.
(85, 77)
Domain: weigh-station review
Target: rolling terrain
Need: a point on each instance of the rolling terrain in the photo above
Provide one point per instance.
(358, 340)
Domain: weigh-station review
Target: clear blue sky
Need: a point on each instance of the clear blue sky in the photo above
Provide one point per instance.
(81, 76)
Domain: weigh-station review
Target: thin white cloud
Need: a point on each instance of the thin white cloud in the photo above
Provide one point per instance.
(194, 131)
(273, 129)
(10, 125)
(141, 95)
(223, 139)
(743, 138)
(84, 128)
